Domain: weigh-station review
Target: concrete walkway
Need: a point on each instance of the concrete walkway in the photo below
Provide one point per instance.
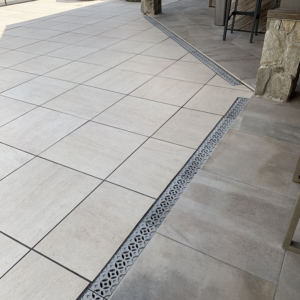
(98, 112)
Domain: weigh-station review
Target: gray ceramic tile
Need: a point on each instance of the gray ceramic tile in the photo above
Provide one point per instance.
(11, 109)
(216, 100)
(42, 47)
(27, 218)
(166, 90)
(255, 160)
(96, 149)
(20, 31)
(16, 42)
(11, 78)
(73, 52)
(12, 58)
(42, 34)
(198, 73)
(169, 270)
(69, 38)
(137, 115)
(220, 82)
(271, 119)
(151, 37)
(111, 23)
(119, 81)
(37, 130)
(288, 286)
(142, 172)
(110, 211)
(166, 51)
(99, 42)
(107, 58)
(84, 101)
(130, 46)
(10, 253)
(44, 280)
(77, 72)
(92, 30)
(146, 64)
(39, 90)
(120, 33)
(188, 128)
(68, 27)
(41, 65)
(11, 159)
(248, 223)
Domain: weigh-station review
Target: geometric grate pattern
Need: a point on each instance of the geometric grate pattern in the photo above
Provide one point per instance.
(111, 276)
(200, 56)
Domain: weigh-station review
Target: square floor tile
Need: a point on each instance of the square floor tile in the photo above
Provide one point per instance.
(11, 109)
(69, 38)
(19, 31)
(111, 23)
(120, 33)
(173, 271)
(92, 30)
(170, 91)
(137, 115)
(250, 223)
(41, 65)
(10, 253)
(258, 161)
(129, 46)
(198, 73)
(99, 42)
(39, 90)
(87, 20)
(42, 47)
(68, 27)
(219, 81)
(37, 130)
(190, 58)
(44, 280)
(65, 19)
(38, 196)
(166, 51)
(119, 81)
(73, 52)
(77, 72)
(11, 78)
(109, 214)
(146, 64)
(84, 101)
(107, 58)
(142, 172)
(151, 37)
(11, 58)
(42, 34)
(16, 42)
(96, 149)
(188, 128)
(216, 100)
(138, 26)
(11, 159)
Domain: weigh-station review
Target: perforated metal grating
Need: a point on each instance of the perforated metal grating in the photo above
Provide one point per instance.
(204, 59)
(110, 277)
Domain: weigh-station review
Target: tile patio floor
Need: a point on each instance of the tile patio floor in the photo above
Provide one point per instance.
(99, 110)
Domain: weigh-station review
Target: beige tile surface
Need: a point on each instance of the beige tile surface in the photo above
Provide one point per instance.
(166, 90)
(44, 280)
(91, 29)
(110, 211)
(188, 128)
(107, 58)
(42, 47)
(41, 65)
(146, 64)
(11, 109)
(38, 196)
(84, 101)
(216, 100)
(166, 51)
(99, 42)
(137, 115)
(39, 90)
(119, 81)
(149, 36)
(131, 46)
(151, 167)
(10, 253)
(198, 73)
(69, 38)
(11, 159)
(121, 33)
(16, 42)
(10, 58)
(220, 82)
(42, 34)
(37, 130)
(95, 149)
(190, 58)
(77, 72)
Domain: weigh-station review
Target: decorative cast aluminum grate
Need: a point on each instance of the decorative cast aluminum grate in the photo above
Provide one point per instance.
(204, 59)
(110, 277)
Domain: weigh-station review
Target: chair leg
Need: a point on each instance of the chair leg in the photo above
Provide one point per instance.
(233, 20)
(258, 16)
(254, 19)
(227, 19)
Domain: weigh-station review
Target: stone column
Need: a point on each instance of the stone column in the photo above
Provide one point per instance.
(279, 72)
(151, 7)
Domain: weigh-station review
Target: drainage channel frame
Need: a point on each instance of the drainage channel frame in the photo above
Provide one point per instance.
(115, 270)
(200, 56)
